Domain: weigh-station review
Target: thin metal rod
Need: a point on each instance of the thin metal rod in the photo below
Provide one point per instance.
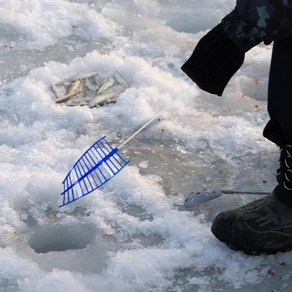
(144, 126)
(244, 193)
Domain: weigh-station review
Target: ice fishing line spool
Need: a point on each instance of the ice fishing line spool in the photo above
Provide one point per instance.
(95, 167)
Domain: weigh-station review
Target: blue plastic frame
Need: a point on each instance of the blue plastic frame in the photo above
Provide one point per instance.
(98, 164)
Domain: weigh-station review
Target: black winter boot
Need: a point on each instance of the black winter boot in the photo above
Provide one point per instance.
(265, 225)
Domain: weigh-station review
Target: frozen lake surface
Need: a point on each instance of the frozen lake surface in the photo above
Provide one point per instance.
(133, 233)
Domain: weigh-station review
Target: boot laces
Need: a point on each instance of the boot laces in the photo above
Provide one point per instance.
(284, 173)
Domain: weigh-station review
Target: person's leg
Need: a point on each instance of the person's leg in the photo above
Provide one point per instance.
(265, 225)
(279, 129)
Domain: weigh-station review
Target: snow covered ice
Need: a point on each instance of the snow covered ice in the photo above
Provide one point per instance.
(133, 233)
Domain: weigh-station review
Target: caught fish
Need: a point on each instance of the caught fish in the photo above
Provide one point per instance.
(89, 89)
(67, 97)
(106, 85)
(101, 99)
(73, 87)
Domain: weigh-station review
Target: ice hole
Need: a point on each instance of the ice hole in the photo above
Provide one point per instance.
(61, 237)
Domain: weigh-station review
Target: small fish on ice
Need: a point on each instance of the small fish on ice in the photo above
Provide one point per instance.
(89, 89)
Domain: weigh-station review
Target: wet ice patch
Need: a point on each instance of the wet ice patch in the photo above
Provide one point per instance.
(193, 17)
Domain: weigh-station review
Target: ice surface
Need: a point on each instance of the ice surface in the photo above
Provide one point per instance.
(133, 234)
